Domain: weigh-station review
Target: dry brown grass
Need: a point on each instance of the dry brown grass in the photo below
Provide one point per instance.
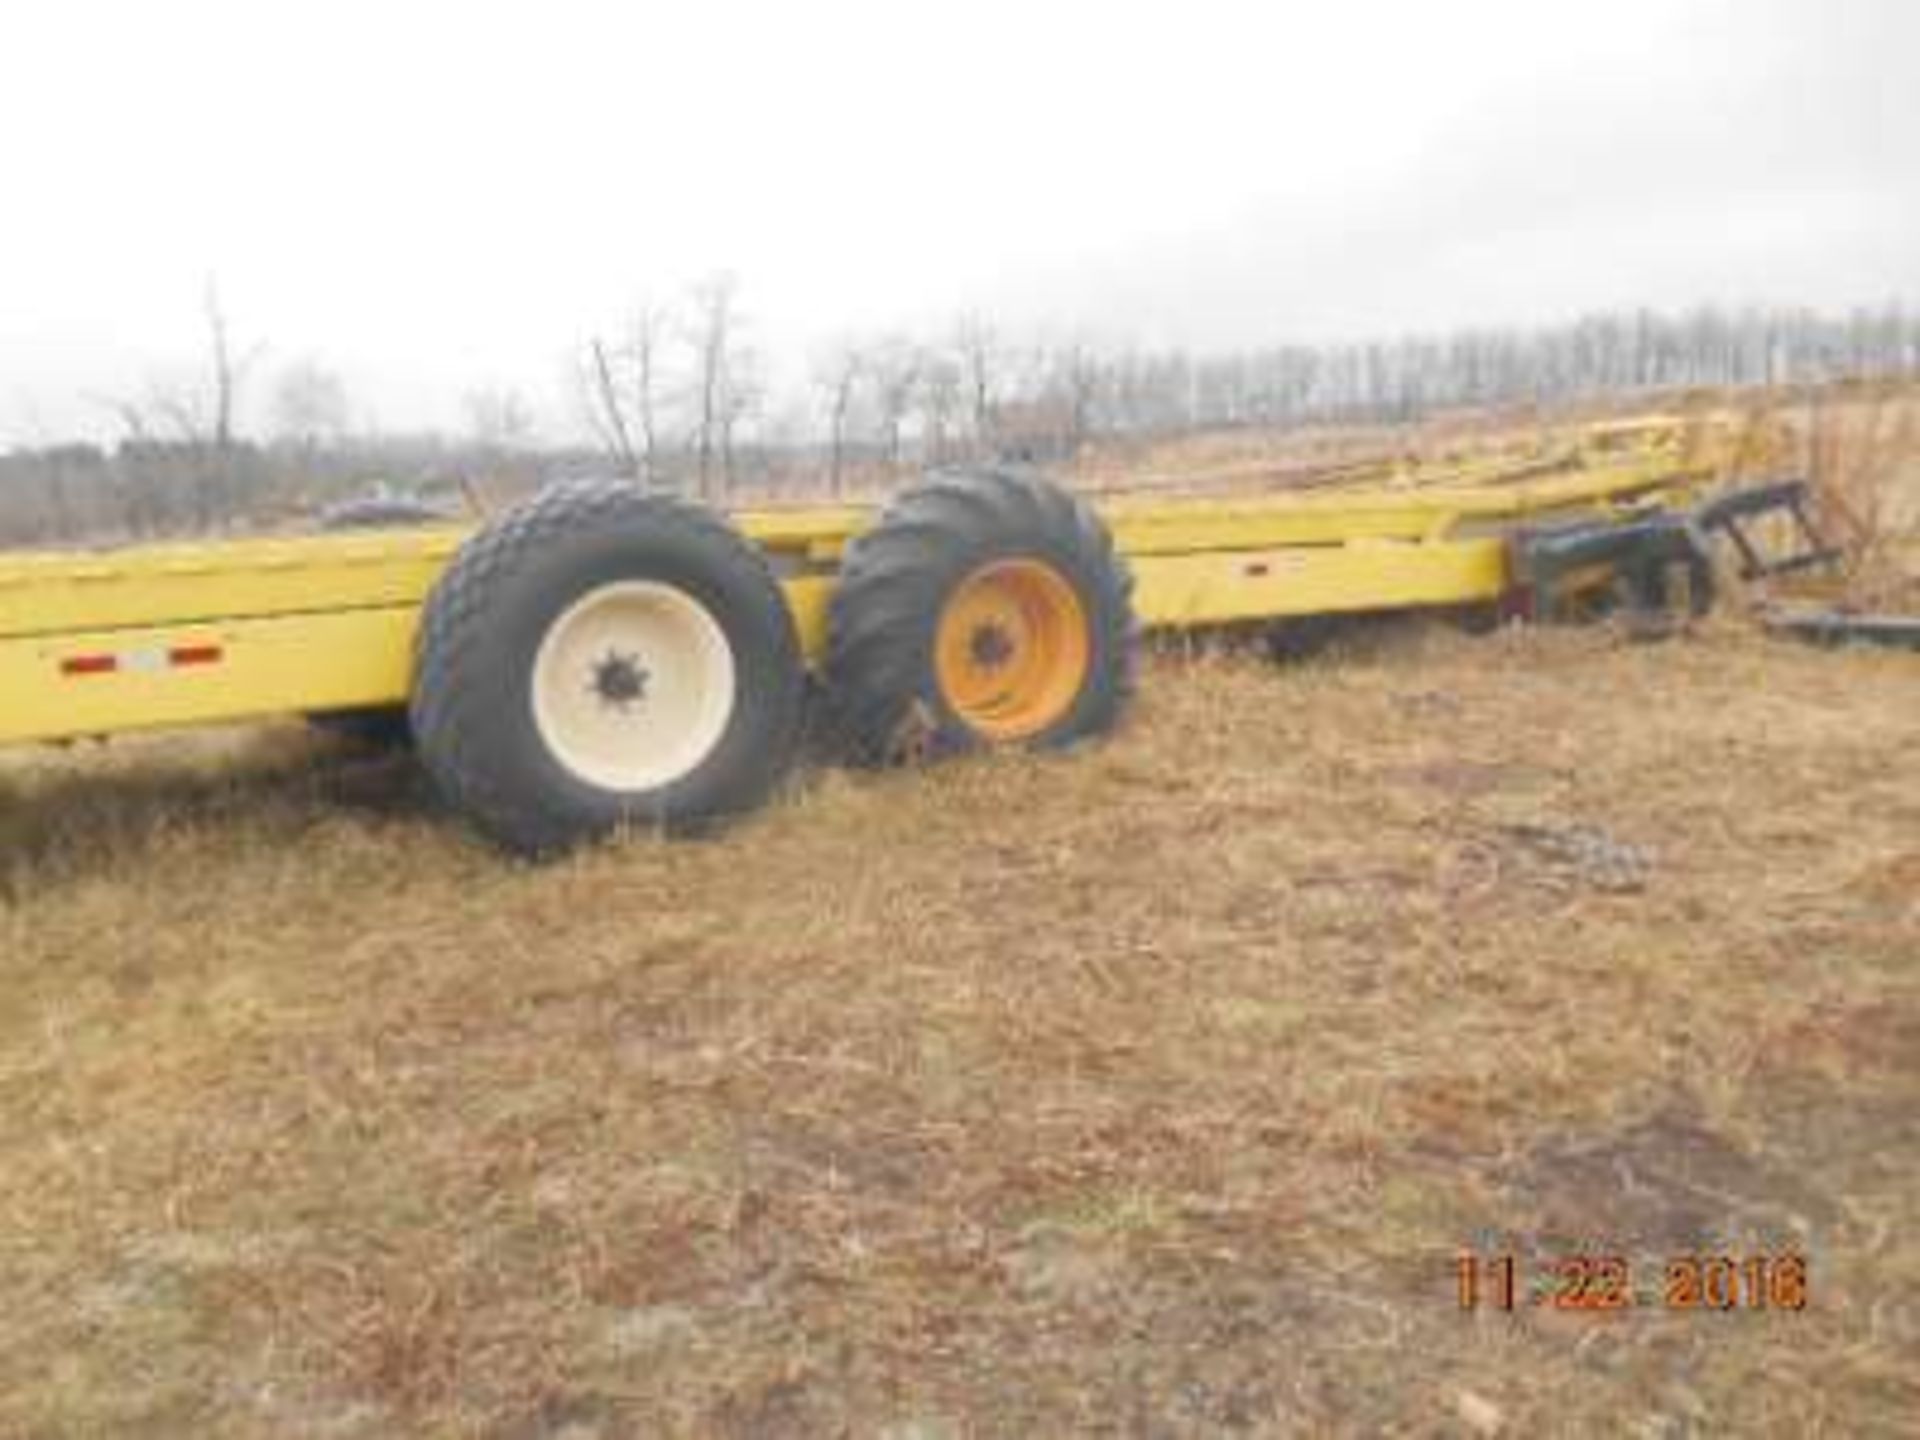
(1151, 1090)
(1863, 455)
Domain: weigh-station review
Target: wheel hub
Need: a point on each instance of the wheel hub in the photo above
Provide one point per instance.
(633, 685)
(992, 647)
(1012, 648)
(620, 680)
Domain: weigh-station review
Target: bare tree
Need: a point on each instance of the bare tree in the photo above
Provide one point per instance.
(649, 326)
(203, 414)
(140, 507)
(979, 352)
(740, 398)
(227, 372)
(309, 404)
(940, 396)
(498, 418)
(894, 371)
(604, 407)
(714, 305)
(1077, 373)
(622, 389)
(130, 417)
(838, 374)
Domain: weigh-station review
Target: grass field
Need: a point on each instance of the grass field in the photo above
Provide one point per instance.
(1151, 1090)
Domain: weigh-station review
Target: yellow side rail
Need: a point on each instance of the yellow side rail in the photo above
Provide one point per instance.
(93, 644)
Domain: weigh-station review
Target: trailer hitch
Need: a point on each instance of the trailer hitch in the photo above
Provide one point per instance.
(1730, 514)
(1639, 559)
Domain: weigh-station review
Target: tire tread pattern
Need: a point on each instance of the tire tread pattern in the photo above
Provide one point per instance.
(895, 576)
(454, 643)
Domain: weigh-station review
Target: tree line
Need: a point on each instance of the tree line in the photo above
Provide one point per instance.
(676, 395)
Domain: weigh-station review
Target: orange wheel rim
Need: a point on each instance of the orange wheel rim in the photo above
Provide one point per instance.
(1012, 650)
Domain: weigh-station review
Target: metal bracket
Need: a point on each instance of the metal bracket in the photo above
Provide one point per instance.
(1900, 632)
(1643, 554)
(1729, 514)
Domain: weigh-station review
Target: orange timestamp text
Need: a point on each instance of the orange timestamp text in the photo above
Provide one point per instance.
(1597, 1283)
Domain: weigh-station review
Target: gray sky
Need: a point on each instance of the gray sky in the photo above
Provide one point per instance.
(432, 197)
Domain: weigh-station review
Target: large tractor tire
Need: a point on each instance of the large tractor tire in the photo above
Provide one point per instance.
(376, 727)
(600, 657)
(985, 608)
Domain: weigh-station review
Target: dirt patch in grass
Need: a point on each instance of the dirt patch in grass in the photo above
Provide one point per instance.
(1153, 1089)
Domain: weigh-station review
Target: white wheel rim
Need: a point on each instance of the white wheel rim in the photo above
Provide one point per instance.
(633, 685)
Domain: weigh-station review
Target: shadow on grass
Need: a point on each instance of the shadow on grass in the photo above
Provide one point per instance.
(74, 816)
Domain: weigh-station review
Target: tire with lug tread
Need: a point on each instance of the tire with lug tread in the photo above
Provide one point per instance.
(378, 727)
(599, 657)
(986, 607)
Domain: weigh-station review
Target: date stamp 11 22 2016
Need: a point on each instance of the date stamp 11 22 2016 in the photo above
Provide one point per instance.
(1597, 1283)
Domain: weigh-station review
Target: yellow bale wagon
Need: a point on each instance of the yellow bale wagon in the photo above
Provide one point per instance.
(599, 655)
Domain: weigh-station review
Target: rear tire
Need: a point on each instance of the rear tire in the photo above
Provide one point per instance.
(985, 608)
(601, 657)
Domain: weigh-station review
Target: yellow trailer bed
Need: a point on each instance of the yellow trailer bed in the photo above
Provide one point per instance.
(597, 656)
(92, 644)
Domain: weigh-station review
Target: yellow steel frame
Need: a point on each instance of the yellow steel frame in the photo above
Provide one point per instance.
(328, 622)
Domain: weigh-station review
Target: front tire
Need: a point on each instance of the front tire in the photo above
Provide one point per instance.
(600, 657)
(985, 608)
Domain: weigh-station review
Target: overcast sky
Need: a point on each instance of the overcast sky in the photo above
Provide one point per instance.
(434, 197)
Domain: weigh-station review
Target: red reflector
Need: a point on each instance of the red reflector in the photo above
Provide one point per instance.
(89, 665)
(195, 655)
